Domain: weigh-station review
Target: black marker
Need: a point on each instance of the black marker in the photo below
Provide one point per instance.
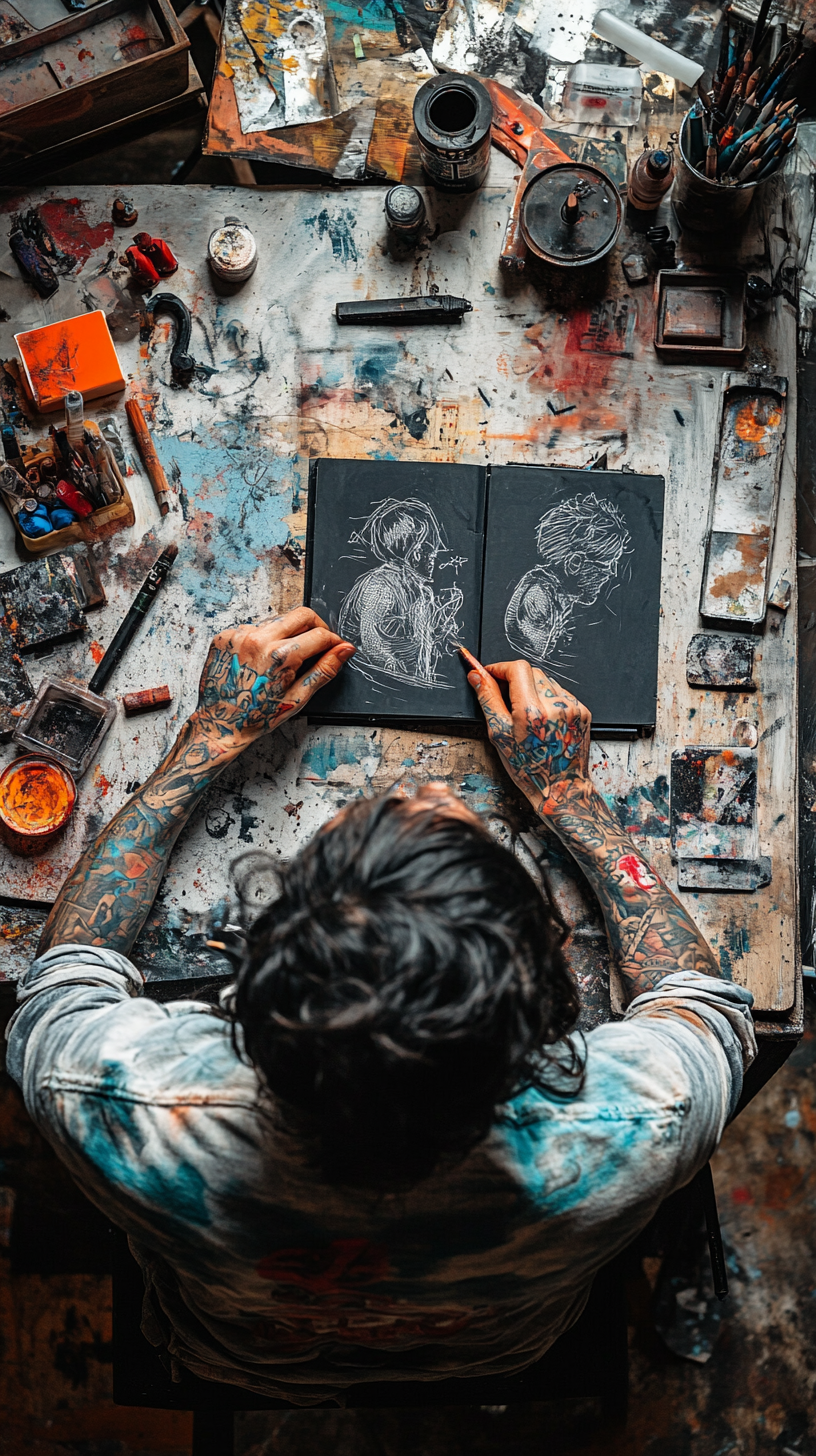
(156, 575)
(424, 308)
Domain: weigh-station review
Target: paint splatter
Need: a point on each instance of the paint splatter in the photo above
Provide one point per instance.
(339, 227)
(65, 218)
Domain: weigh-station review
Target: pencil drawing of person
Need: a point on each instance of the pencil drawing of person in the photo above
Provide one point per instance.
(401, 624)
(580, 542)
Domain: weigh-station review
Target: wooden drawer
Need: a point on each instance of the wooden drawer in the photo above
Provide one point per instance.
(77, 76)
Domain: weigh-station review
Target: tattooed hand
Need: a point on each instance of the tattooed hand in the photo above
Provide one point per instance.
(250, 681)
(543, 739)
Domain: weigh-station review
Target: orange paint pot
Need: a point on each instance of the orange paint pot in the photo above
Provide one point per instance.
(37, 799)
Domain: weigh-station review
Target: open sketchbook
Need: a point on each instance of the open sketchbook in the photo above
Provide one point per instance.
(562, 567)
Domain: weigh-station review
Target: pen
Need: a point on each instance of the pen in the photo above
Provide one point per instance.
(136, 615)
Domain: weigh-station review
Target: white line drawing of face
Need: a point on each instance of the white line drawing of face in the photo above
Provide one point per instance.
(401, 624)
(581, 542)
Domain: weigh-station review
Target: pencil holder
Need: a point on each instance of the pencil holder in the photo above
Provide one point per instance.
(703, 204)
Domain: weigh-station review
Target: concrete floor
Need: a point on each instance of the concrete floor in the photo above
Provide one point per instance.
(755, 1394)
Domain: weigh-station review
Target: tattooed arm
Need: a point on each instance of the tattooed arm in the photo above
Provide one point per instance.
(249, 685)
(543, 741)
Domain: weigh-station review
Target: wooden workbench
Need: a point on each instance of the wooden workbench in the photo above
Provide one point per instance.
(284, 384)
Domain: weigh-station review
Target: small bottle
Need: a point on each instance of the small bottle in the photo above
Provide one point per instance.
(74, 418)
(650, 179)
(405, 212)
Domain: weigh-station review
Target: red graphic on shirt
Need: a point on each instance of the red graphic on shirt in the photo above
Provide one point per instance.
(337, 1269)
(634, 868)
(326, 1301)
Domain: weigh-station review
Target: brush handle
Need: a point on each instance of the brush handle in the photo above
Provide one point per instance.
(148, 455)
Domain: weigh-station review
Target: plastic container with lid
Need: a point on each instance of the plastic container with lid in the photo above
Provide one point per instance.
(606, 95)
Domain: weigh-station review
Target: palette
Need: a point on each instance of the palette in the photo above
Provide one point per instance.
(65, 722)
(744, 499)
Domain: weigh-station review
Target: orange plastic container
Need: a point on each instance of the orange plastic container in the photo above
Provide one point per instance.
(76, 353)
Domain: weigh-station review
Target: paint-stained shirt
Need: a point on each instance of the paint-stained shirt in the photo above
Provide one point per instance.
(262, 1275)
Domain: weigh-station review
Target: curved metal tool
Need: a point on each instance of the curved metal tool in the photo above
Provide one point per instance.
(182, 363)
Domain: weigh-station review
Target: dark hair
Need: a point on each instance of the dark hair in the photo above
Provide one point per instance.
(407, 981)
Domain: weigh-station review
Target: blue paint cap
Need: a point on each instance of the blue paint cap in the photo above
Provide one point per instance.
(62, 516)
(34, 523)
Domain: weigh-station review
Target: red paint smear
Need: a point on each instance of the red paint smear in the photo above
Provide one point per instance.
(97, 652)
(637, 871)
(102, 782)
(742, 1195)
(65, 216)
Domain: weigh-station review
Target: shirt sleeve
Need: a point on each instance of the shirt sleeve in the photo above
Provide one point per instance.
(68, 982)
(720, 1012)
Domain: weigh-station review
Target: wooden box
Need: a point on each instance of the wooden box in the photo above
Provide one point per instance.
(102, 522)
(89, 71)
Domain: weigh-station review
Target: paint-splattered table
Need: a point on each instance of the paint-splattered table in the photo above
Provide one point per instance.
(524, 378)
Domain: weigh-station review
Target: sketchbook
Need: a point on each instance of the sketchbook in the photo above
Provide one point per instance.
(562, 567)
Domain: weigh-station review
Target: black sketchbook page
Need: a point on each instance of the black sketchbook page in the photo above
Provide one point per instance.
(572, 582)
(394, 563)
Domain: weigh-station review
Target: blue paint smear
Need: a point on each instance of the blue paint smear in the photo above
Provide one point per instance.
(113, 1141)
(245, 491)
(326, 754)
(368, 15)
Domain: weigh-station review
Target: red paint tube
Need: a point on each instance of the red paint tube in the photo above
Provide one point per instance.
(70, 496)
(144, 273)
(158, 252)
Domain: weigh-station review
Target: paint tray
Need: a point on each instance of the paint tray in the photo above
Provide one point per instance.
(700, 314)
(65, 723)
(714, 829)
(744, 498)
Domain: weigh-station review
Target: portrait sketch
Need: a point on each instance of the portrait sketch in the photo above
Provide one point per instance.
(581, 543)
(402, 623)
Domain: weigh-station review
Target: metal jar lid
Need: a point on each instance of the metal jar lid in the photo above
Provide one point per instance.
(404, 206)
(571, 215)
(232, 251)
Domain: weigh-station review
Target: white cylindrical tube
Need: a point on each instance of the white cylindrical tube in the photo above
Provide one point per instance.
(74, 417)
(650, 52)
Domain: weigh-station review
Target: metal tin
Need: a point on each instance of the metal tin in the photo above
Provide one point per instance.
(65, 722)
(232, 252)
(571, 215)
(452, 116)
(405, 212)
(703, 204)
(37, 798)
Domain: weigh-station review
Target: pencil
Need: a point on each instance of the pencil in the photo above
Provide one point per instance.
(148, 455)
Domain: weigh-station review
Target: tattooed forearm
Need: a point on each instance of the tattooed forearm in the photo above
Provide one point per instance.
(108, 894)
(251, 682)
(651, 934)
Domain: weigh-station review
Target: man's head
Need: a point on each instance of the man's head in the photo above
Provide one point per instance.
(403, 531)
(582, 541)
(402, 986)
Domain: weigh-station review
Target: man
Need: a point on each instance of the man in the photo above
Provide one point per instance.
(581, 542)
(398, 621)
(389, 1161)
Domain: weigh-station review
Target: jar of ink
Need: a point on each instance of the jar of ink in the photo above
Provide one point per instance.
(37, 798)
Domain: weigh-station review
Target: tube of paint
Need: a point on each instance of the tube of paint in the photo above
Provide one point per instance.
(74, 417)
(649, 52)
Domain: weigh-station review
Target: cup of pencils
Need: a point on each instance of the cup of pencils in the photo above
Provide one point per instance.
(738, 134)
